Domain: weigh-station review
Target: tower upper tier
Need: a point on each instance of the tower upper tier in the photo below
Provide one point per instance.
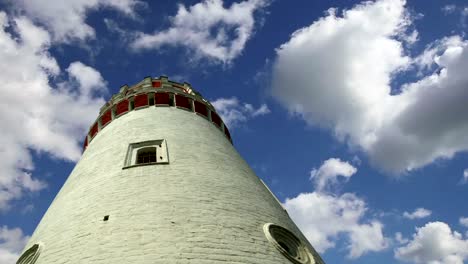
(155, 92)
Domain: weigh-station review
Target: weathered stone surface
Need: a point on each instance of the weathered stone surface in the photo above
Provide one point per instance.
(205, 206)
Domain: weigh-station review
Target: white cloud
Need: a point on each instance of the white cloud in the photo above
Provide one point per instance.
(88, 78)
(338, 72)
(12, 242)
(460, 10)
(448, 9)
(208, 28)
(328, 173)
(234, 113)
(324, 217)
(417, 214)
(400, 239)
(434, 243)
(464, 221)
(465, 177)
(66, 19)
(34, 115)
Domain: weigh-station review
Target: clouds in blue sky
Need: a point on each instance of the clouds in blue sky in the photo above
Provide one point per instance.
(324, 216)
(329, 172)
(234, 112)
(66, 19)
(418, 213)
(208, 28)
(352, 71)
(339, 70)
(11, 241)
(434, 243)
(465, 176)
(46, 127)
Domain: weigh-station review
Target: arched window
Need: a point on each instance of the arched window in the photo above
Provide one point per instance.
(146, 155)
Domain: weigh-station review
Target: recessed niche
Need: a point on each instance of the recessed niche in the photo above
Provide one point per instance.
(288, 244)
(106, 217)
(31, 255)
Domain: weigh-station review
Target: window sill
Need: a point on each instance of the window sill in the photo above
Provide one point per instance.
(145, 164)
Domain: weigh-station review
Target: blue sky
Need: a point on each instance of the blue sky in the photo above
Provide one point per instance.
(356, 108)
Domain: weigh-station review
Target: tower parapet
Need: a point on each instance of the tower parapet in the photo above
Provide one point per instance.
(155, 92)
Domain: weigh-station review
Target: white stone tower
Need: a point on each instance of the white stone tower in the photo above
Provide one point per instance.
(160, 182)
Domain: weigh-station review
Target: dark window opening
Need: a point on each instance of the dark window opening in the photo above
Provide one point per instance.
(182, 101)
(216, 119)
(200, 108)
(151, 99)
(162, 98)
(106, 217)
(226, 131)
(283, 245)
(171, 99)
(122, 107)
(94, 130)
(146, 155)
(85, 143)
(140, 100)
(106, 117)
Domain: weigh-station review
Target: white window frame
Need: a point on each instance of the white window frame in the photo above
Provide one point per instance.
(162, 155)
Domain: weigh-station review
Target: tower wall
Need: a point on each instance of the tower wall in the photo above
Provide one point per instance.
(205, 206)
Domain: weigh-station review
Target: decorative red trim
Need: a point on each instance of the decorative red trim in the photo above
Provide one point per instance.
(85, 143)
(161, 99)
(141, 100)
(200, 108)
(122, 107)
(94, 129)
(215, 119)
(106, 117)
(226, 131)
(157, 84)
(182, 101)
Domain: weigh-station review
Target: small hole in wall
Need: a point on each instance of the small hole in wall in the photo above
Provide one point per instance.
(106, 217)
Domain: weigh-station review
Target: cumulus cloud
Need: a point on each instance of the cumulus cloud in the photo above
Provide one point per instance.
(328, 173)
(35, 115)
(417, 214)
(339, 72)
(12, 242)
(464, 221)
(434, 243)
(66, 19)
(324, 217)
(234, 112)
(208, 28)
